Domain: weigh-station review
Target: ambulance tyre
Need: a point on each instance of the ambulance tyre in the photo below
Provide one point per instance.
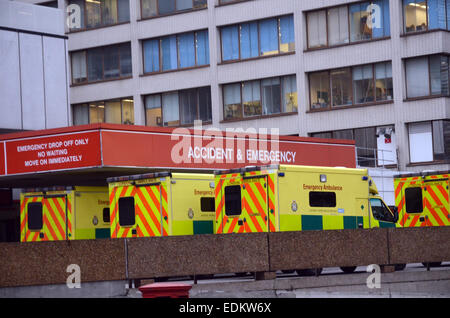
(288, 271)
(348, 269)
(400, 267)
(309, 272)
(432, 264)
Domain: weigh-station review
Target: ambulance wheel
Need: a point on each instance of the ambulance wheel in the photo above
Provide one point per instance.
(287, 271)
(432, 264)
(241, 274)
(400, 267)
(309, 272)
(348, 269)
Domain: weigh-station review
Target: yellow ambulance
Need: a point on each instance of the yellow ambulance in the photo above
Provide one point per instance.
(161, 204)
(422, 199)
(298, 198)
(64, 213)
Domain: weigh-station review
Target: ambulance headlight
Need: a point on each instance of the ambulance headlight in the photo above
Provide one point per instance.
(323, 178)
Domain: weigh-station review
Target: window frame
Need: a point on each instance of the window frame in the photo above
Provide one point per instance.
(432, 144)
(85, 28)
(430, 95)
(238, 25)
(160, 50)
(117, 47)
(330, 106)
(350, 42)
(241, 86)
(407, 33)
(158, 15)
(197, 92)
(103, 102)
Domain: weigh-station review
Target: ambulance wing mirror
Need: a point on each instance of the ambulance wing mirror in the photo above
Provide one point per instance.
(394, 211)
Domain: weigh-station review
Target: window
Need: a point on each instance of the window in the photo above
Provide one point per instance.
(79, 74)
(351, 86)
(366, 146)
(413, 200)
(317, 31)
(233, 200)
(35, 220)
(106, 215)
(319, 90)
(341, 89)
(260, 97)
(421, 15)
(380, 211)
(153, 8)
(230, 1)
(178, 108)
(251, 98)
(383, 82)
(427, 76)
(127, 215)
(248, 41)
(349, 23)
(176, 52)
(120, 111)
(94, 14)
(103, 63)
(289, 94)
(429, 141)
(322, 199)
(207, 205)
(363, 84)
(271, 96)
(338, 25)
(258, 38)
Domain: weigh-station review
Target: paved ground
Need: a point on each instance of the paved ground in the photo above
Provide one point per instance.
(414, 281)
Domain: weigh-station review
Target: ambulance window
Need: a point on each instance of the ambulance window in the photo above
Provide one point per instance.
(233, 200)
(207, 205)
(35, 216)
(106, 216)
(413, 198)
(322, 199)
(380, 211)
(126, 211)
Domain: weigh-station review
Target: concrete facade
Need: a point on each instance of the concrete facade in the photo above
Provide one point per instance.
(395, 48)
(33, 63)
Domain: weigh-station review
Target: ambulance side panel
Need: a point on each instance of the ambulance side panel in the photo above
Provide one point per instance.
(192, 206)
(306, 203)
(91, 214)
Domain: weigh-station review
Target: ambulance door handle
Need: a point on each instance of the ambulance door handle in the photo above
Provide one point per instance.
(240, 222)
(271, 211)
(165, 218)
